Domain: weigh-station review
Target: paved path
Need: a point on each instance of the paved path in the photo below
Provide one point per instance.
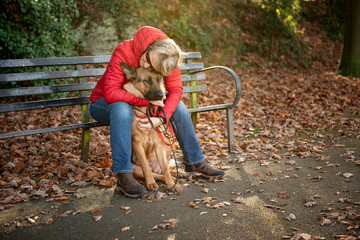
(267, 195)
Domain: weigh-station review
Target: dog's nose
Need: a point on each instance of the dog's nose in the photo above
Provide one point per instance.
(160, 94)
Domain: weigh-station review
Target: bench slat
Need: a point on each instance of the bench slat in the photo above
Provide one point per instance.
(13, 63)
(30, 76)
(194, 77)
(14, 107)
(191, 55)
(53, 129)
(191, 66)
(193, 89)
(17, 92)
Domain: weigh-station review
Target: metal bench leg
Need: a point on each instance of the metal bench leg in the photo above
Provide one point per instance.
(85, 138)
(230, 129)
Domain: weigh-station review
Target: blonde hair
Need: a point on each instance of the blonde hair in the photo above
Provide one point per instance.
(170, 55)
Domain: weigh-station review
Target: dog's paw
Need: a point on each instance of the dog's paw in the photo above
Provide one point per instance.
(152, 186)
(175, 188)
(181, 174)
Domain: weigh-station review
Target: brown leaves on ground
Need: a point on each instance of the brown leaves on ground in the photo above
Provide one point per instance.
(167, 224)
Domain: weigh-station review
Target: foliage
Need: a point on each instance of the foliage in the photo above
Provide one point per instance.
(285, 10)
(203, 25)
(269, 36)
(219, 29)
(216, 28)
(334, 19)
(36, 28)
(330, 13)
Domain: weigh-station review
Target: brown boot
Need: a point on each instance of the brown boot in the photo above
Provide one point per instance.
(127, 184)
(204, 169)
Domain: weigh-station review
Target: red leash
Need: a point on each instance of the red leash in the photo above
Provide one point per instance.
(161, 133)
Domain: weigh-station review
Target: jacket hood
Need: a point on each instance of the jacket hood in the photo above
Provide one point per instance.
(144, 37)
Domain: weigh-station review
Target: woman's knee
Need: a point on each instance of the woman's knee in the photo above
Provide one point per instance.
(180, 110)
(121, 111)
(99, 111)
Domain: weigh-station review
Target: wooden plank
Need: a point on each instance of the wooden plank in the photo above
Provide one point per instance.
(53, 129)
(191, 66)
(193, 89)
(193, 77)
(191, 55)
(13, 63)
(13, 107)
(17, 92)
(30, 76)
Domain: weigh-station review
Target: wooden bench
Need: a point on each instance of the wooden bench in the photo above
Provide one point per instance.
(72, 68)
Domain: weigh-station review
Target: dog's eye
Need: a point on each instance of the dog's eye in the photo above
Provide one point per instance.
(148, 81)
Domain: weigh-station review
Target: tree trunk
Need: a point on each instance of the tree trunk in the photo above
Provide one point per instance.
(350, 58)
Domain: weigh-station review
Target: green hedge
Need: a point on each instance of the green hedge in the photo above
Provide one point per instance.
(36, 28)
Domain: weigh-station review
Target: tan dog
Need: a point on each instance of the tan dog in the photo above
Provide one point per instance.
(150, 154)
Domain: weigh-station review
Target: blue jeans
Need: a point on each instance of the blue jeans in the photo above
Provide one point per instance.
(119, 116)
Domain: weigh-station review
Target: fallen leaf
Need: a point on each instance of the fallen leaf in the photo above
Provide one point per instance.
(97, 218)
(79, 195)
(205, 190)
(325, 221)
(61, 199)
(283, 195)
(348, 175)
(309, 202)
(49, 221)
(125, 229)
(167, 224)
(96, 210)
(30, 220)
(213, 179)
(301, 236)
(193, 205)
(291, 217)
(238, 200)
(92, 174)
(106, 183)
(79, 183)
(274, 207)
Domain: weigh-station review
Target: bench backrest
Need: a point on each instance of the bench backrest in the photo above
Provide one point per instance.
(71, 68)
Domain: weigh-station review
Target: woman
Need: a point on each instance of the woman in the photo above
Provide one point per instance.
(111, 104)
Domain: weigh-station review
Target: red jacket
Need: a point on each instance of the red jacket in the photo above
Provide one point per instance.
(110, 84)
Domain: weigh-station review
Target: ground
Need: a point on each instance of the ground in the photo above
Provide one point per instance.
(295, 173)
(317, 196)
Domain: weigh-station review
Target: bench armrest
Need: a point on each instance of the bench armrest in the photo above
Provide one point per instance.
(234, 76)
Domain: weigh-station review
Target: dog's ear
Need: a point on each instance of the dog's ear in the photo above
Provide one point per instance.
(129, 71)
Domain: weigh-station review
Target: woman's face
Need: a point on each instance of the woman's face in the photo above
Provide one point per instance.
(149, 60)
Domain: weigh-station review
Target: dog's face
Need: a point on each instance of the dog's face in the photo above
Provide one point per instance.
(149, 84)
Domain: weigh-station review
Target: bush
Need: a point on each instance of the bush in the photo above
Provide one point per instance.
(36, 28)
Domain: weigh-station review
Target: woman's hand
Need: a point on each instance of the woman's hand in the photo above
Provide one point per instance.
(144, 123)
(145, 126)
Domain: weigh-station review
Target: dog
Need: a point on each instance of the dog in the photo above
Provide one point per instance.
(150, 153)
